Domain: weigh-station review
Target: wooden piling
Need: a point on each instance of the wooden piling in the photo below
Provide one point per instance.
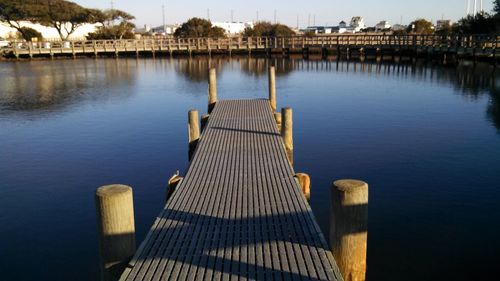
(305, 184)
(194, 131)
(212, 89)
(204, 121)
(173, 182)
(115, 222)
(277, 118)
(287, 131)
(272, 87)
(348, 227)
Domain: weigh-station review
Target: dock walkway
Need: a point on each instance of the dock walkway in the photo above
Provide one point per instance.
(238, 214)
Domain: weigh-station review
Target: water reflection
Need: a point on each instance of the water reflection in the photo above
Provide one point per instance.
(45, 84)
(40, 85)
(195, 69)
(471, 81)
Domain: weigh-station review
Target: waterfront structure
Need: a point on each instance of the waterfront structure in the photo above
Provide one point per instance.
(398, 27)
(443, 24)
(168, 29)
(476, 47)
(233, 28)
(357, 24)
(383, 25)
(145, 29)
(248, 218)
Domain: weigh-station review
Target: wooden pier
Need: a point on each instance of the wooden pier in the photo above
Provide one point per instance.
(349, 46)
(239, 212)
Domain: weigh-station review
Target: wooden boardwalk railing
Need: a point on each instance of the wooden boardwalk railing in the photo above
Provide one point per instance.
(455, 44)
(238, 214)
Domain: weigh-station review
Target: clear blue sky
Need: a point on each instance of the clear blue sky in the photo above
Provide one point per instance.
(326, 11)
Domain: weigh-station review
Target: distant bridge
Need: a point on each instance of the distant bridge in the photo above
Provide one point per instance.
(350, 46)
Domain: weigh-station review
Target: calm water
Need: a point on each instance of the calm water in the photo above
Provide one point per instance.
(426, 138)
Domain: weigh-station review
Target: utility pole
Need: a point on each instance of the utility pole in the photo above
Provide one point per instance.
(475, 7)
(314, 20)
(297, 21)
(275, 19)
(257, 14)
(468, 7)
(112, 5)
(208, 14)
(163, 15)
(308, 20)
(232, 15)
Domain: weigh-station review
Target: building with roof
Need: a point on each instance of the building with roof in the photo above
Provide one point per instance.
(232, 28)
(383, 25)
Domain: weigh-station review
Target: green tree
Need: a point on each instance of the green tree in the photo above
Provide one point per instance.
(496, 6)
(481, 23)
(65, 17)
(29, 33)
(115, 24)
(268, 29)
(196, 27)
(420, 26)
(13, 12)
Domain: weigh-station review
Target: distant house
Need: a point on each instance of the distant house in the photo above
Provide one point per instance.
(383, 25)
(357, 23)
(145, 29)
(342, 24)
(232, 28)
(168, 29)
(398, 27)
(443, 24)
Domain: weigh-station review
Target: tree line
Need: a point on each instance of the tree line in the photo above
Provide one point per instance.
(197, 27)
(65, 17)
(480, 23)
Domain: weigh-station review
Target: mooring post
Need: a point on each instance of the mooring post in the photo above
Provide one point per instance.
(272, 87)
(348, 227)
(305, 184)
(115, 223)
(173, 182)
(287, 131)
(277, 118)
(194, 131)
(212, 89)
(204, 121)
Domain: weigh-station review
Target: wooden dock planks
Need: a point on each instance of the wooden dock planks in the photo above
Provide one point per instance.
(238, 214)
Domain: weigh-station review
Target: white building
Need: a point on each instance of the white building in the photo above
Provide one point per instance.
(233, 27)
(398, 27)
(443, 24)
(47, 32)
(383, 25)
(357, 23)
(141, 30)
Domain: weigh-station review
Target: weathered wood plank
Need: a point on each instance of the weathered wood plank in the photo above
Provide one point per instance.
(238, 214)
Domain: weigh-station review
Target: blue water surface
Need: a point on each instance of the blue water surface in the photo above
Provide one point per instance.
(425, 137)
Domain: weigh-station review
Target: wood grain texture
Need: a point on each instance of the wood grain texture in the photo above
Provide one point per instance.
(348, 227)
(116, 228)
(238, 214)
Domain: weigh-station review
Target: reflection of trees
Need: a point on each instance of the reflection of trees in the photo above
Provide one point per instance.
(34, 85)
(471, 81)
(196, 68)
(39, 85)
(494, 108)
